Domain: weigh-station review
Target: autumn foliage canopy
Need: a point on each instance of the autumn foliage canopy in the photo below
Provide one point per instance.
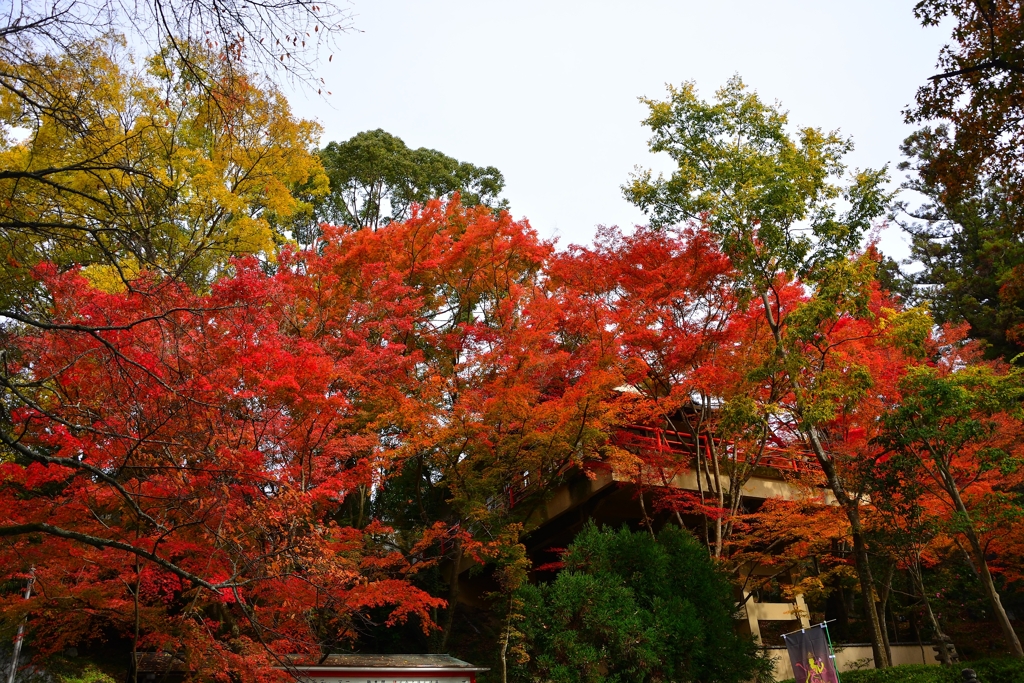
(182, 460)
(242, 437)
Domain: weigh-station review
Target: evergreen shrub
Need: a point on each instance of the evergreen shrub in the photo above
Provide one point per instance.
(629, 608)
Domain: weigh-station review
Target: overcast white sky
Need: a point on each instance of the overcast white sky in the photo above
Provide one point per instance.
(547, 91)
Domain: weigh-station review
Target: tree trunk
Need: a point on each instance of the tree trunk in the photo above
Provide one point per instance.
(713, 452)
(895, 627)
(135, 635)
(867, 587)
(1012, 641)
(675, 508)
(860, 551)
(453, 597)
(883, 603)
(915, 632)
(850, 506)
(839, 609)
(648, 522)
(714, 485)
(700, 492)
(504, 643)
(947, 652)
(886, 643)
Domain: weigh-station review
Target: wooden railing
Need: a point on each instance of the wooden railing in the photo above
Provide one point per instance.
(670, 441)
(665, 440)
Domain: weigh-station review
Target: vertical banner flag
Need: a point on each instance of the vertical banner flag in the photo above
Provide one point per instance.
(810, 655)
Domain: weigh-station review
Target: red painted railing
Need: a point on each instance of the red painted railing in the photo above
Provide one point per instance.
(664, 440)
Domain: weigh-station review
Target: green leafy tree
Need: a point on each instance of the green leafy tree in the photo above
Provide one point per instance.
(376, 178)
(970, 242)
(960, 432)
(629, 607)
(772, 200)
(967, 163)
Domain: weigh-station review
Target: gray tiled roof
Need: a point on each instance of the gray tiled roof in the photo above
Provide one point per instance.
(165, 662)
(353, 661)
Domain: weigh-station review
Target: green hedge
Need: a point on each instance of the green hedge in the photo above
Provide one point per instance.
(988, 670)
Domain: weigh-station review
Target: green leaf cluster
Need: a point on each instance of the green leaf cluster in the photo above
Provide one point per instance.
(942, 413)
(374, 168)
(771, 196)
(629, 607)
(970, 243)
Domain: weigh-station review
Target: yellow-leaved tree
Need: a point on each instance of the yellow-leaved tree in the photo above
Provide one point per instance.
(160, 166)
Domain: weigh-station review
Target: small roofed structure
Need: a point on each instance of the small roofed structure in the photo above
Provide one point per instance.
(352, 668)
(162, 667)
